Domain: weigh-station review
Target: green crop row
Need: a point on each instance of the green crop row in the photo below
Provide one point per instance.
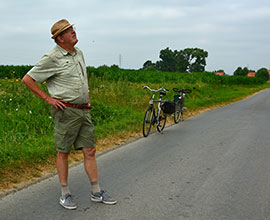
(114, 73)
(139, 76)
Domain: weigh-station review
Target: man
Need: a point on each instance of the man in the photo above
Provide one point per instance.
(64, 71)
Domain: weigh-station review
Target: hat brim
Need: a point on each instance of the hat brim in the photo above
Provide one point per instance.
(61, 30)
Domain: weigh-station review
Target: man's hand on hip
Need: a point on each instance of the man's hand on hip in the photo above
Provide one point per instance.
(57, 103)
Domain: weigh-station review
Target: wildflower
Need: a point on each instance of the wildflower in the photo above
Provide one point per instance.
(10, 99)
(30, 112)
(17, 109)
(50, 117)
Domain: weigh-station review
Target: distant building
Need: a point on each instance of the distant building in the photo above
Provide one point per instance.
(251, 74)
(220, 73)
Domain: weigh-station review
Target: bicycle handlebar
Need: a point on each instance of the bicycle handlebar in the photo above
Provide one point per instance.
(182, 90)
(154, 90)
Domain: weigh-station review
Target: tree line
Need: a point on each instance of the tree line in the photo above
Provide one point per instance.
(261, 73)
(186, 61)
(191, 60)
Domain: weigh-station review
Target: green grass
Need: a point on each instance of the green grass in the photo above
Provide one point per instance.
(26, 128)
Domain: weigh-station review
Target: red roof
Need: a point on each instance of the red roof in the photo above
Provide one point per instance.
(220, 73)
(251, 74)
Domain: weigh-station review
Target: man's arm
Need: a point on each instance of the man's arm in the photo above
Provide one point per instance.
(32, 85)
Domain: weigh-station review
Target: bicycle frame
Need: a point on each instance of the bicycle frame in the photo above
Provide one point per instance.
(151, 103)
(180, 103)
(155, 117)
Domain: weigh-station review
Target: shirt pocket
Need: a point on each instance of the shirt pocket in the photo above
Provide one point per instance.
(66, 63)
(68, 66)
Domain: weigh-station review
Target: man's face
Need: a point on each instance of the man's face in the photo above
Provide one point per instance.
(69, 37)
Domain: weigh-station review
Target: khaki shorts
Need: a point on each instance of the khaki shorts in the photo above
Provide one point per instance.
(72, 127)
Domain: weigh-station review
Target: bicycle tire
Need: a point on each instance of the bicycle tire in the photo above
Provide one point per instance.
(177, 112)
(162, 121)
(148, 121)
(177, 116)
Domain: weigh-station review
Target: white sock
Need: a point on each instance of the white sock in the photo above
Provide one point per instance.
(65, 190)
(95, 187)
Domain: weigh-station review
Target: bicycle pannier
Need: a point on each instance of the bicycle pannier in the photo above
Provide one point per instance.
(168, 107)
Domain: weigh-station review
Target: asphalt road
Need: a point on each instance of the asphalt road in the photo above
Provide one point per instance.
(215, 165)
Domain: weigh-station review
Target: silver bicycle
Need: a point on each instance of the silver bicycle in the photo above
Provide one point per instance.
(154, 115)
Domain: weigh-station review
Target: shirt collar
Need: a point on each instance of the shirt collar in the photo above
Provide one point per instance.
(64, 52)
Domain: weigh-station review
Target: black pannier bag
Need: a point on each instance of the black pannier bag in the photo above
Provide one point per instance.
(168, 107)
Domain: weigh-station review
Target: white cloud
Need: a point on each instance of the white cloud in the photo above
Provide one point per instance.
(234, 32)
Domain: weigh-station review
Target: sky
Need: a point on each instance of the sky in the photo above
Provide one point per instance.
(130, 32)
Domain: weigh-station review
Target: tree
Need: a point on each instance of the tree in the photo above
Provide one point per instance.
(191, 60)
(241, 72)
(187, 60)
(147, 64)
(238, 71)
(263, 73)
(181, 62)
(245, 71)
(168, 60)
(197, 60)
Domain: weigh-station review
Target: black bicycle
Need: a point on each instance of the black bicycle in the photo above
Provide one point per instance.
(154, 116)
(179, 100)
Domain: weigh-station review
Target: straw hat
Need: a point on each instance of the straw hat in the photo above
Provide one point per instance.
(59, 27)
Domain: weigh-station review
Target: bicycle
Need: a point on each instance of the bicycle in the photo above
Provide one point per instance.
(150, 117)
(179, 100)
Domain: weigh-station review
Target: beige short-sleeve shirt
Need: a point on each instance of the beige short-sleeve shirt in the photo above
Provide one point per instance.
(64, 74)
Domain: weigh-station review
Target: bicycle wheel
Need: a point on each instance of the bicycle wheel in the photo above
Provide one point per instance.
(177, 112)
(177, 116)
(147, 121)
(162, 121)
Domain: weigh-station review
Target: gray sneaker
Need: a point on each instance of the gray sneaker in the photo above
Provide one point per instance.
(103, 197)
(67, 202)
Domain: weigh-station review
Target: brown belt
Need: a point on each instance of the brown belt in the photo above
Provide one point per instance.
(84, 106)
